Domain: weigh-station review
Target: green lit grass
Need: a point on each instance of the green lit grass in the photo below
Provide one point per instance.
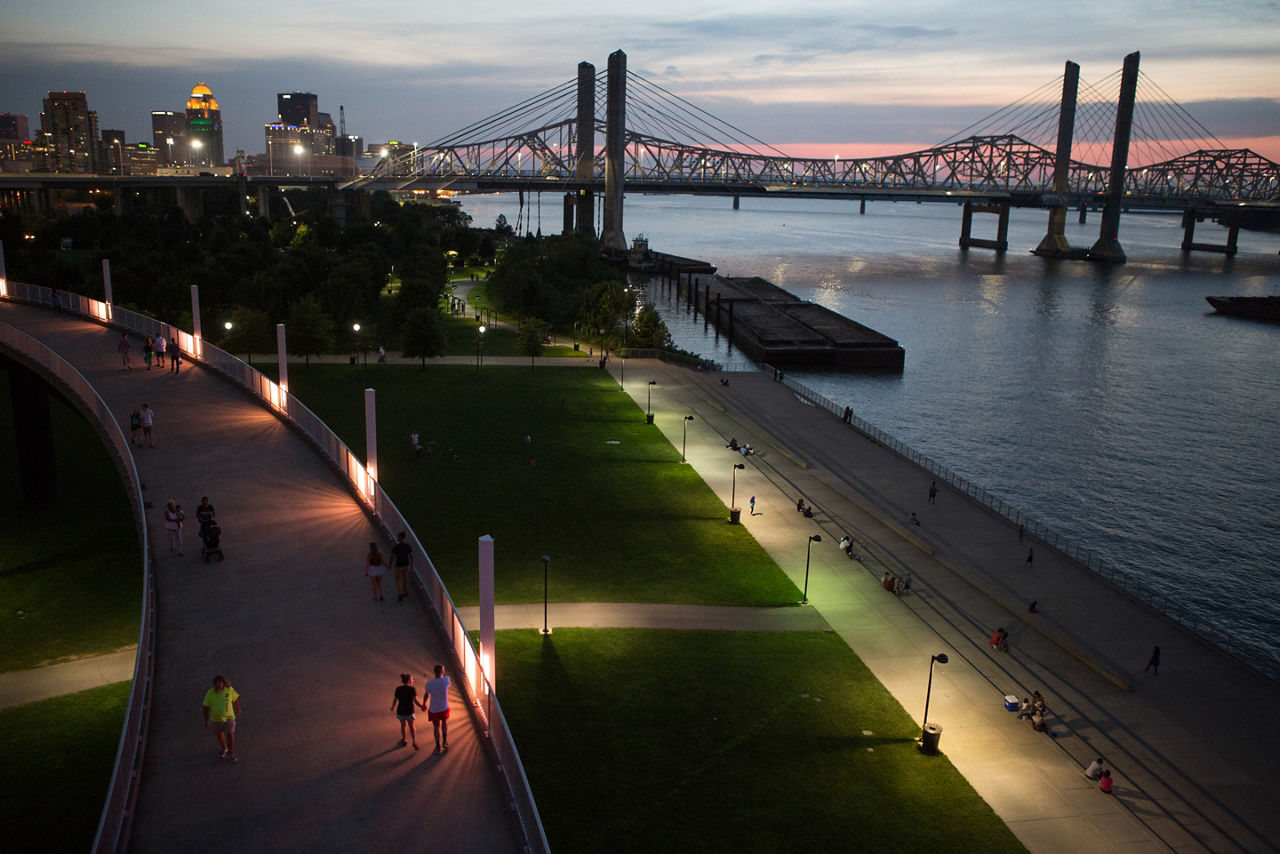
(726, 741)
(57, 756)
(624, 522)
(70, 573)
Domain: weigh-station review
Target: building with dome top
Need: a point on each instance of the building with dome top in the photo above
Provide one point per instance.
(204, 128)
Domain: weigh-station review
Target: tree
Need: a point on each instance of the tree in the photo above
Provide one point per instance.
(529, 338)
(310, 331)
(605, 305)
(250, 331)
(649, 330)
(424, 335)
(502, 227)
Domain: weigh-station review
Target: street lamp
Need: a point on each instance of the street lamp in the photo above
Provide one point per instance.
(684, 435)
(546, 562)
(930, 744)
(196, 145)
(355, 327)
(298, 149)
(648, 418)
(479, 347)
(733, 492)
(815, 538)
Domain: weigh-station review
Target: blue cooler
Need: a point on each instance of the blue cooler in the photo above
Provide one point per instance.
(1010, 703)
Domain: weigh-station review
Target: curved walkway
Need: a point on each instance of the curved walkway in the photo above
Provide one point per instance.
(288, 618)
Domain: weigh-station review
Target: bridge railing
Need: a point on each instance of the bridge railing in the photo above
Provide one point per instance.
(1177, 611)
(117, 811)
(467, 660)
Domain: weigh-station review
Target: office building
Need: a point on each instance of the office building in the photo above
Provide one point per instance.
(68, 137)
(298, 109)
(169, 136)
(204, 128)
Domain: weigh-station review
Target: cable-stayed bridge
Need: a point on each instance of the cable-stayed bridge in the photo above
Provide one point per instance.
(1148, 154)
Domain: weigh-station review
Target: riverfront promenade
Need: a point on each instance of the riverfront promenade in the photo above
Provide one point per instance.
(289, 619)
(1191, 752)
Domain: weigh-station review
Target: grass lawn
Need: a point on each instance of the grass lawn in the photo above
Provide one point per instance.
(70, 573)
(57, 757)
(599, 490)
(726, 741)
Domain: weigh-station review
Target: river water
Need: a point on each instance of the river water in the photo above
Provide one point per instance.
(1109, 402)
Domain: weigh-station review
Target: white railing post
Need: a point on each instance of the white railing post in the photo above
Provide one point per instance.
(487, 657)
(4, 278)
(371, 442)
(196, 345)
(282, 357)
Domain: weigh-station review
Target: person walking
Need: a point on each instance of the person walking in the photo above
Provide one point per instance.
(752, 505)
(406, 697)
(402, 563)
(173, 517)
(437, 706)
(148, 350)
(122, 347)
(175, 358)
(1031, 558)
(933, 492)
(135, 427)
(147, 416)
(374, 567)
(221, 709)
(161, 346)
(1153, 663)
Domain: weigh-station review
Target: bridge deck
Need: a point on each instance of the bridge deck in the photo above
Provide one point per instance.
(288, 617)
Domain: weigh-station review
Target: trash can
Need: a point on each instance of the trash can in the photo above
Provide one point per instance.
(353, 360)
(929, 739)
(735, 515)
(648, 418)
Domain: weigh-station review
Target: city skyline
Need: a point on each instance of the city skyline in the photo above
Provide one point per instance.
(821, 79)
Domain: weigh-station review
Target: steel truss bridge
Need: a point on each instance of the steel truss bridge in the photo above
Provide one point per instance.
(548, 144)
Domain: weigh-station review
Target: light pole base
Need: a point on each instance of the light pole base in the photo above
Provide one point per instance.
(735, 515)
(648, 418)
(929, 739)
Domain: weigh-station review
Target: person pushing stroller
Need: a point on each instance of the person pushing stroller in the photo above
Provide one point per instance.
(210, 531)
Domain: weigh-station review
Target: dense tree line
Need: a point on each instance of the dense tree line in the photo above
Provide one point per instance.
(253, 272)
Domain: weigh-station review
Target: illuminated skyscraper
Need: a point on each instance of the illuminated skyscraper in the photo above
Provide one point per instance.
(298, 109)
(68, 138)
(204, 128)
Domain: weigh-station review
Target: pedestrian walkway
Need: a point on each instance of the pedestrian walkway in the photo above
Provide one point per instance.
(1192, 760)
(289, 619)
(19, 687)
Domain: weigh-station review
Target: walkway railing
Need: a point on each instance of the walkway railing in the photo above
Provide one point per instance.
(1176, 611)
(467, 661)
(117, 813)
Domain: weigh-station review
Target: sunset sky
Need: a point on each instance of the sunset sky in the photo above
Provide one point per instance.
(821, 77)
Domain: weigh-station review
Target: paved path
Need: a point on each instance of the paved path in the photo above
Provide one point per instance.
(19, 687)
(289, 619)
(1193, 760)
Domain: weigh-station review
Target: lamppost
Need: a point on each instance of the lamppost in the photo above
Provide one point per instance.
(479, 347)
(929, 740)
(733, 493)
(546, 562)
(169, 141)
(815, 538)
(355, 327)
(196, 145)
(684, 435)
(648, 416)
(298, 150)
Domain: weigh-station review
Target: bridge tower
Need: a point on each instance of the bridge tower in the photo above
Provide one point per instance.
(1054, 244)
(615, 144)
(1108, 246)
(585, 201)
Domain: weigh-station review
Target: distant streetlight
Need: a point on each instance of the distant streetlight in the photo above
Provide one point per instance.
(648, 418)
(196, 145)
(546, 562)
(733, 493)
(815, 538)
(227, 325)
(940, 658)
(684, 435)
(479, 347)
(299, 150)
(355, 327)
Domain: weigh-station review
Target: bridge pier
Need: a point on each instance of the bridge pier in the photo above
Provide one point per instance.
(615, 153)
(1001, 243)
(585, 166)
(191, 202)
(1189, 219)
(32, 433)
(735, 203)
(264, 202)
(1054, 243)
(1107, 248)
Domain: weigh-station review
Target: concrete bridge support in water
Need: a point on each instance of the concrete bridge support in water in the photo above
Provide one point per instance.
(584, 203)
(614, 153)
(1054, 244)
(1000, 209)
(1107, 248)
(1189, 219)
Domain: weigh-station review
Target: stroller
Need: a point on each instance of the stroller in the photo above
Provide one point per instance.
(210, 540)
